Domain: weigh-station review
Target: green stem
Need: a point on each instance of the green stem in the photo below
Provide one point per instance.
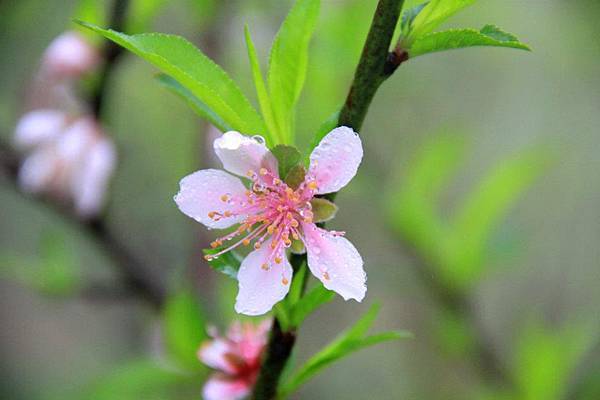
(376, 65)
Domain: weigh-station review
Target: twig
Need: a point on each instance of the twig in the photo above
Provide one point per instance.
(374, 67)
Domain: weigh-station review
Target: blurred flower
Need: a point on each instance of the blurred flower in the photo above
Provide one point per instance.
(69, 56)
(69, 161)
(272, 214)
(237, 359)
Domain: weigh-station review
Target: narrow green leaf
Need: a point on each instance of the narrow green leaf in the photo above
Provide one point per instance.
(409, 16)
(323, 210)
(434, 14)
(489, 35)
(288, 63)
(315, 298)
(274, 136)
(184, 328)
(287, 158)
(180, 59)
(198, 106)
(348, 342)
(228, 263)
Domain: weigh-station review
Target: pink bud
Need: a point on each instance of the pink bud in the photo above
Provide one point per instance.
(69, 56)
(39, 126)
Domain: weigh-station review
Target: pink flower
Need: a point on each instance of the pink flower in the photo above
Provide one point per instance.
(67, 160)
(69, 56)
(271, 215)
(237, 359)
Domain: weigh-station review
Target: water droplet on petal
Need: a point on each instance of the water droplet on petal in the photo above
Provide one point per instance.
(259, 139)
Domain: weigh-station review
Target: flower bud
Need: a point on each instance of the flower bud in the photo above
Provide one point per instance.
(69, 56)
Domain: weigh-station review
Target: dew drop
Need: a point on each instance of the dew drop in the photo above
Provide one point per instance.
(259, 139)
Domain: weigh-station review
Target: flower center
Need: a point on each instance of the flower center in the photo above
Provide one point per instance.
(272, 210)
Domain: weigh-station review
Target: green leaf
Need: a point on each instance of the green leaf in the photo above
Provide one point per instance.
(180, 59)
(199, 107)
(315, 298)
(327, 126)
(409, 16)
(288, 63)
(489, 35)
(274, 136)
(141, 379)
(485, 208)
(287, 158)
(348, 342)
(434, 14)
(295, 176)
(323, 210)
(228, 263)
(184, 328)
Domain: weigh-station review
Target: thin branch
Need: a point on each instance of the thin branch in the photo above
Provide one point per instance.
(374, 67)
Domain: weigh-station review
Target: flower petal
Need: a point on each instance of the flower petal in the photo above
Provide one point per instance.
(38, 170)
(219, 387)
(39, 126)
(260, 288)
(335, 262)
(240, 154)
(334, 162)
(200, 193)
(213, 354)
(69, 55)
(91, 181)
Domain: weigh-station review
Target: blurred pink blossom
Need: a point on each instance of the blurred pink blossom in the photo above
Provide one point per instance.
(237, 359)
(272, 214)
(68, 160)
(69, 56)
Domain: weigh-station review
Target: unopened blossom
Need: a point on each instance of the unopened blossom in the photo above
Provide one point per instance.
(69, 55)
(271, 215)
(68, 160)
(236, 357)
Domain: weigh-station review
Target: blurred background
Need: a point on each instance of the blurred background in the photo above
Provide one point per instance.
(475, 208)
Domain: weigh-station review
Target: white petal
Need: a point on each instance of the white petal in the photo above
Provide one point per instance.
(200, 193)
(335, 262)
(91, 181)
(37, 171)
(214, 354)
(335, 160)
(39, 126)
(221, 388)
(240, 154)
(260, 289)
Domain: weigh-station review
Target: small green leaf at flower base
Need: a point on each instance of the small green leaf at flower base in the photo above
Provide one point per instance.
(489, 35)
(297, 247)
(287, 157)
(295, 176)
(323, 210)
(228, 263)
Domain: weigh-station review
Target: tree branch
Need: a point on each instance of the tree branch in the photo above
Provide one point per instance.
(374, 67)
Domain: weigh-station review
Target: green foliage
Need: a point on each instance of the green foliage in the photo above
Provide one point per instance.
(457, 247)
(261, 91)
(287, 158)
(295, 176)
(198, 106)
(489, 35)
(348, 342)
(184, 328)
(228, 263)
(327, 126)
(288, 63)
(141, 379)
(56, 272)
(323, 210)
(434, 14)
(546, 358)
(312, 300)
(181, 60)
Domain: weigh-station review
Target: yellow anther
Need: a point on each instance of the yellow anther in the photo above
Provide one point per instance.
(289, 191)
(263, 171)
(287, 242)
(211, 214)
(248, 193)
(265, 266)
(295, 236)
(294, 223)
(225, 198)
(245, 242)
(289, 215)
(214, 245)
(273, 245)
(250, 173)
(280, 208)
(278, 260)
(257, 245)
(312, 185)
(285, 281)
(271, 229)
(207, 257)
(227, 214)
(276, 181)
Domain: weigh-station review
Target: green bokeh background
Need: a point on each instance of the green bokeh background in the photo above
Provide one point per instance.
(546, 265)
